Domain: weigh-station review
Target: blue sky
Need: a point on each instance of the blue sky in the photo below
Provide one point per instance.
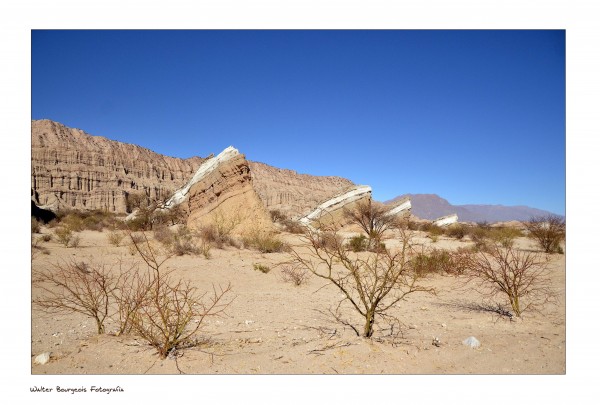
(477, 117)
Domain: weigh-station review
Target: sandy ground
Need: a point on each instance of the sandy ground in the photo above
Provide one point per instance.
(274, 327)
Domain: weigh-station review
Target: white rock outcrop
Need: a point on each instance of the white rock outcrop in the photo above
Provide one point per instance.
(354, 194)
(447, 220)
(205, 168)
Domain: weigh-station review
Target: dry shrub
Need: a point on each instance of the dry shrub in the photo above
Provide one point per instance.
(46, 237)
(172, 310)
(64, 235)
(76, 287)
(371, 283)
(522, 278)
(291, 226)
(548, 231)
(505, 236)
(115, 237)
(264, 242)
(436, 262)
(294, 274)
(75, 240)
(456, 231)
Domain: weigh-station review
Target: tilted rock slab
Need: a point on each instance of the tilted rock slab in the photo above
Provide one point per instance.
(72, 169)
(446, 220)
(332, 210)
(401, 207)
(221, 190)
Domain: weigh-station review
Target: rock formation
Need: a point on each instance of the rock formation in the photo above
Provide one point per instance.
(400, 207)
(292, 193)
(331, 210)
(221, 191)
(72, 169)
(447, 220)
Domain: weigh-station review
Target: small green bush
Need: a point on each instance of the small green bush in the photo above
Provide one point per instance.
(436, 262)
(261, 267)
(358, 243)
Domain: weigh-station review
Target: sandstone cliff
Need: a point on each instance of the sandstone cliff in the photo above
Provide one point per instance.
(73, 169)
(221, 193)
(292, 193)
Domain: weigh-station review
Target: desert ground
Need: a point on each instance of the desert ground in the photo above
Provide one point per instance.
(275, 327)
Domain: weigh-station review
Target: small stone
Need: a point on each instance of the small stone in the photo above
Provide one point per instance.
(444, 325)
(412, 326)
(472, 342)
(42, 358)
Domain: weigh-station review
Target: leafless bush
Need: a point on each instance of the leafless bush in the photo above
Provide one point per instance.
(548, 231)
(172, 310)
(522, 278)
(294, 274)
(372, 217)
(76, 287)
(372, 282)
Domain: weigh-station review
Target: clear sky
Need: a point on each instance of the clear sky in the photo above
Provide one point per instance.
(477, 117)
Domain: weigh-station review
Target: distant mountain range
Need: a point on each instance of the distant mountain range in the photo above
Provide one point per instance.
(432, 206)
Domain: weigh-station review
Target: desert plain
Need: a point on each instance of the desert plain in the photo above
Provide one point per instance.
(275, 327)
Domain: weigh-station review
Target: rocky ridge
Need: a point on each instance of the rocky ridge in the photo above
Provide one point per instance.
(72, 169)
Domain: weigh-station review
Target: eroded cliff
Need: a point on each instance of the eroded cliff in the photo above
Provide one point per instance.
(72, 169)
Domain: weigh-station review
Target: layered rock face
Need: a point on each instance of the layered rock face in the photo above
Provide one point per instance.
(292, 193)
(221, 193)
(72, 169)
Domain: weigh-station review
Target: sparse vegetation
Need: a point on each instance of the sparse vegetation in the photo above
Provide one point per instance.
(372, 217)
(358, 243)
(372, 284)
(548, 231)
(261, 267)
(436, 261)
(173, 310)
(115, 237)
(264, 242)
(35, 225)
(76, 287)
(520, 277)
(456, 231)
(294, 274)
(64, 235)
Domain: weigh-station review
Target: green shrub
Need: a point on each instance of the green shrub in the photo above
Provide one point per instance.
(358, 243)
(261, 267)
(437, 262)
